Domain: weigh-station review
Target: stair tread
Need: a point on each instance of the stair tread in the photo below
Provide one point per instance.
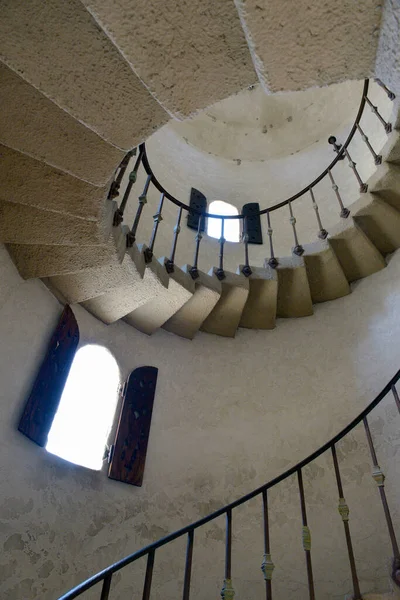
(326, 278)
(259, 312)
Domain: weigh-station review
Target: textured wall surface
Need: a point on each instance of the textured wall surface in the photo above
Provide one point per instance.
(228, 416)
(388, 56)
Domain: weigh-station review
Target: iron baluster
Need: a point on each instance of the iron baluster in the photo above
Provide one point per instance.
(389, 93)
(344, 513)
(149, 575)
(322, 234)
(131, 236)
(188, 565)
(157, 218)
(352, 164)
(116, 184)
(387, 126)
(220, 271)
(267, 566)
(306, 536)
(119, 213)
(194, 272)
(273, 263)
(377, 157)
(246, 269)
(105, 590)
(396, 397)
(298, 249)
(344, 212)
(227, 592)
(169, 264)
(379, 477)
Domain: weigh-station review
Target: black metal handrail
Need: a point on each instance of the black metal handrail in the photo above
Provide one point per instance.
(106, 574)
(339, 156)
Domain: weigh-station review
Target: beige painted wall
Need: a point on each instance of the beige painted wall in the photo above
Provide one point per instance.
(229, 415)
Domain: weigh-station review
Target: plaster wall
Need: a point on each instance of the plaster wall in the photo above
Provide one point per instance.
(229, 415)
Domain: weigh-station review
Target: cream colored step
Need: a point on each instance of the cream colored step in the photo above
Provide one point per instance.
(152, 315)
(43, 130)
(20, 224)
(391, 150)
(298, 45)
(58, 47)
(119, 302)
(189, 54)
(326, 278)
(379, 221)
(294, 296)
(224, 319)
(125, 268)
(385, 182)
(356, 253)
(187, 320)
(30, 182)
(260, 309)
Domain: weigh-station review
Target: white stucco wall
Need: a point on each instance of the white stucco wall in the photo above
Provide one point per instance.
(229, 415)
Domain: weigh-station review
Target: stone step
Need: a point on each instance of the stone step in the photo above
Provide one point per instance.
(58, 48)
(20, 224)
(356, 253)
(187, 320)
(50, 134)
(379, 221)
(225, 317)
(391, 150)
(260, 309)
(33, 183)
(189, 54)
(294, 296)
(151, 316)
(326, 278)
(385, 183)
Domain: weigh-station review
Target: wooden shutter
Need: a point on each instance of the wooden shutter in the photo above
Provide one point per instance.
(197, 201)
(45, 396)
(130, 447)
(254, 230)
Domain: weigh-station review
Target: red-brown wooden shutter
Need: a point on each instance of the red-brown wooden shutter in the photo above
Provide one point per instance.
(45, 396)
(130, 446)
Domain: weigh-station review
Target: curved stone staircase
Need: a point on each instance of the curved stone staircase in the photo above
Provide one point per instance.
(78, 91)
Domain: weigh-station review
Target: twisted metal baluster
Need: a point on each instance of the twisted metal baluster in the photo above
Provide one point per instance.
(246, 269)
(322, 232)
(377, 157)
(390, 94)
(396, 397)
(267, 566)
(387, 126)
(188, 566)
(194, 272)
(119, 213)
(227, 592)
(273, 263)
(306, 537)
(131, 236)
(169, 264)
(352, 164)
(157, 218)
(220, 271)
(105, 588)
(298, 249)
(149, 575)
(344, 212)
(116, 184)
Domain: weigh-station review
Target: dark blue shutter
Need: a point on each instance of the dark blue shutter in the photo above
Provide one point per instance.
(254, 230)
(198, 201)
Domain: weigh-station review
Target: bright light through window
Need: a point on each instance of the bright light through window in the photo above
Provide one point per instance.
(232, 226)
(83, 421)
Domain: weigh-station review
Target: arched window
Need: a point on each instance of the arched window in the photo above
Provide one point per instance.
(86, 411)
(232, 226)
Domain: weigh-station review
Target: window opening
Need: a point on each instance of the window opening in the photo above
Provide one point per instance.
(232, 226)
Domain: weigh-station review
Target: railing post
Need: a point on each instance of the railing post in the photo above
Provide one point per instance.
(220, 271)
(306, 537)
(246, 268)
(390, 94)
(157, 218)
(298, 248)
(267, 566)
(377, 157)
(227, 592)
(170, 263)
(352, 164)
(131, 236)
(116, 184)
(188, 565)
(273, 263)
(119, 213)
(149, 575)
(344, 212)
(396, 397)
(387, 126)
(105, 590)
(322, 234)
(194, 272)
(344, 513)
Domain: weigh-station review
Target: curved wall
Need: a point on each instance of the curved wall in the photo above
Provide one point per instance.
(229, 414)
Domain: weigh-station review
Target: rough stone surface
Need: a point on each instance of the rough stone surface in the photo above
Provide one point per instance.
(326, 278)
(386, 183)
(189, 54)
(224, 319)
(187, 320)
(58, 48)
(46, 132)
(379, 221)
(387, 66)
(294, 296)
(326, 42)
(259, 312)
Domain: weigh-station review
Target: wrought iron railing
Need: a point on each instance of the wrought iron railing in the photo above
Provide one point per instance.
(104, 578)
(342, 153)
